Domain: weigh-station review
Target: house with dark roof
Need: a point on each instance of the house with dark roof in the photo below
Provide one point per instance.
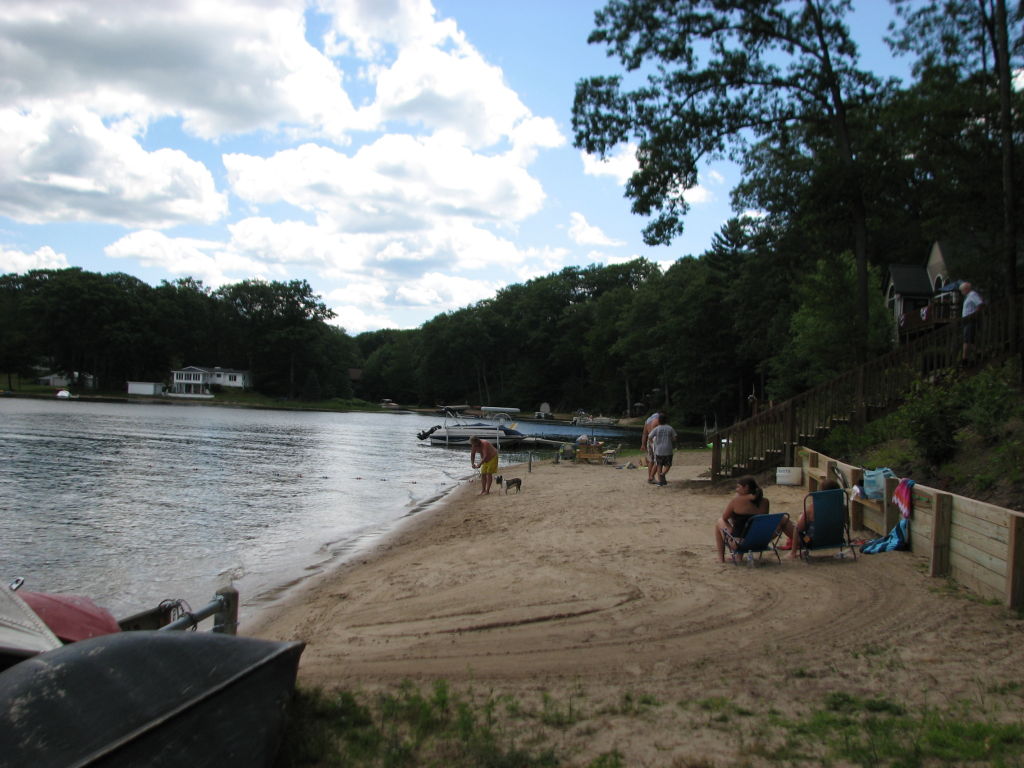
(195, 381)
(915, 297)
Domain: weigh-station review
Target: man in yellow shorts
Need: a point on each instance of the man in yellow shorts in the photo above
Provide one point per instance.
(488, 461)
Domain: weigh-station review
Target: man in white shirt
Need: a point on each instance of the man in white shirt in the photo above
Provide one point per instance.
(969, 317)
(664, 439)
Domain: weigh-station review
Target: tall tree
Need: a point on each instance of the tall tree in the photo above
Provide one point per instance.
(976, 42)
(720, 73)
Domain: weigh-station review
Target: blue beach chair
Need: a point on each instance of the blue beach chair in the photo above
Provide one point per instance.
(831, 527)
(761, 534)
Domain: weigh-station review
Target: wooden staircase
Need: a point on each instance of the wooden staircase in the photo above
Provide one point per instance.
(858, 395)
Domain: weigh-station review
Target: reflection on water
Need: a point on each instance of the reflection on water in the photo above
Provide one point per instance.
(132, 503)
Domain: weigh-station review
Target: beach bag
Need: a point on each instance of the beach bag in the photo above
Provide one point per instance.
(874, 482)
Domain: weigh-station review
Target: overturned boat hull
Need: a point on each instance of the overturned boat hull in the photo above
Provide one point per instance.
(148, 698)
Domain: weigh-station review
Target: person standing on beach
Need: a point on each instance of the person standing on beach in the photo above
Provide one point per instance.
(488, 462)
(969, 317)
(648, 447)
(664, 439)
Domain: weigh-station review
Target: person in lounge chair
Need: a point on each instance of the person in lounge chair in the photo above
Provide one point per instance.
(806, 521)
(748, 501)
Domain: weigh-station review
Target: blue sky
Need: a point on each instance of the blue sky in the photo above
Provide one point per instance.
(405, 157)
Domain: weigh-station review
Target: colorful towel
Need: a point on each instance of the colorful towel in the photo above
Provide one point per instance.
(903, 496)
(899, 537)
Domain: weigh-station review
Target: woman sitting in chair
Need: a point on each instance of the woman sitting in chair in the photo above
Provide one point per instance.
(805, 525)
(748, 501)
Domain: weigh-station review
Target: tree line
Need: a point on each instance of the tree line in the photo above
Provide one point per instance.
(846, 170)
(118, 328)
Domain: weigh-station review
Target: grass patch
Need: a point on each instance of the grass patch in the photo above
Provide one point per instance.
(438, 727)
(401, 728)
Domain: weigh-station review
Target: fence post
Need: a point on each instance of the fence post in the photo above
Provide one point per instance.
(942, 529)
(716, 457)
(1015, 562)
(225, 620)
(890, 512)
(789, 441)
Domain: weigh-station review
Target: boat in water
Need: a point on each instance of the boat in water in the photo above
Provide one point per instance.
(455, 431)
(586, 420)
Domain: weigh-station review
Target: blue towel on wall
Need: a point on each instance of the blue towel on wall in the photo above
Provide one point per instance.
(896, 540)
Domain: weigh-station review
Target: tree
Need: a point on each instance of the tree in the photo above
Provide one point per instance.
(974, 41)
(816, 349)
(720, 73)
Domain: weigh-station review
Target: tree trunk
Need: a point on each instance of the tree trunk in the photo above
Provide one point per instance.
(1009, 190)
(855, 193)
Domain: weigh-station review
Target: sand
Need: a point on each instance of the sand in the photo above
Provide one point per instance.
(594, 587)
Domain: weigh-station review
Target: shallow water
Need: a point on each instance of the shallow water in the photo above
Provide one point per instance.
(134, 503)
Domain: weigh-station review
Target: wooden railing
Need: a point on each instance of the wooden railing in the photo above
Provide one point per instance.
(976, 544)
(769, 438)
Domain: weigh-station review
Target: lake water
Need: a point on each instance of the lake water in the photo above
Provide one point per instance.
(133, 503)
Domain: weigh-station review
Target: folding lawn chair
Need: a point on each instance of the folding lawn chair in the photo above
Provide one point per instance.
(761, 534)
(831, 528)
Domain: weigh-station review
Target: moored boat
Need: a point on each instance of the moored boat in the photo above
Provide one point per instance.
(586, 420)
(461, 433)
(458, 432)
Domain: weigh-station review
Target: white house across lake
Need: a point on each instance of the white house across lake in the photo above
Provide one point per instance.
(196, 381)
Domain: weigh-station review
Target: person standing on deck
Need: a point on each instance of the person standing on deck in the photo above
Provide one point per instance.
(488, 462)
(969, 317)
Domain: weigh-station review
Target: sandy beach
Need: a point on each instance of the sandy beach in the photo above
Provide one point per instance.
(592, 586)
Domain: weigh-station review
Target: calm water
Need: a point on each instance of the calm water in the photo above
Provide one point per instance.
(131, 504)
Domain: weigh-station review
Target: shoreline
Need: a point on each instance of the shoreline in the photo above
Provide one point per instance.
(254, 615)
(592, 586)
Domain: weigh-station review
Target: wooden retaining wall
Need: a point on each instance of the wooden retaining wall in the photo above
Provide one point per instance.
(978, 545)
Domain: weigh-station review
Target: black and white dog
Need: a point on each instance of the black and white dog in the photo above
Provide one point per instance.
(512, 482)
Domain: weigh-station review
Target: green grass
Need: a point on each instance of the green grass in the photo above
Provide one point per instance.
(439, 727)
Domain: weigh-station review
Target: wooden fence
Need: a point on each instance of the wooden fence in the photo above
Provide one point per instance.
(978, 545)
(770, 438)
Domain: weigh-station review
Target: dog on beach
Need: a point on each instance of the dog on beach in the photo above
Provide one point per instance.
(512, 482)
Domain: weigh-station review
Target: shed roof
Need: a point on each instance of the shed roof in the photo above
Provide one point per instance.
(910, 280)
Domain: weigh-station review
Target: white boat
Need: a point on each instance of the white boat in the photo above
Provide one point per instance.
(586, 420)
(458, 432)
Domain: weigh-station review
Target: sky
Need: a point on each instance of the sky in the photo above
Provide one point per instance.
(405, 157)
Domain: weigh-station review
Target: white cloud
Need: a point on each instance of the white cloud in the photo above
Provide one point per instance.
(441, 292)
(65, 164)
(206, 260)
(398, 184)
(223, 66)
(354, 320)
(620, 165)
(369, 29)
(409, 201)
(583, 232)
(42, 258)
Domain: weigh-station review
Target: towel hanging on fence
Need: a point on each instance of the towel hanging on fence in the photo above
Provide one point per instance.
(903, 496)
(899, 537)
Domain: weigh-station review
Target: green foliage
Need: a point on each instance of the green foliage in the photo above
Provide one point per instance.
(819, 342)
(932, 415)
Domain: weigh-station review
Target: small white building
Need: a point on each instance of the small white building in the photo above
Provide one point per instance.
(145, 388)
(86, 380)
(196, 380)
